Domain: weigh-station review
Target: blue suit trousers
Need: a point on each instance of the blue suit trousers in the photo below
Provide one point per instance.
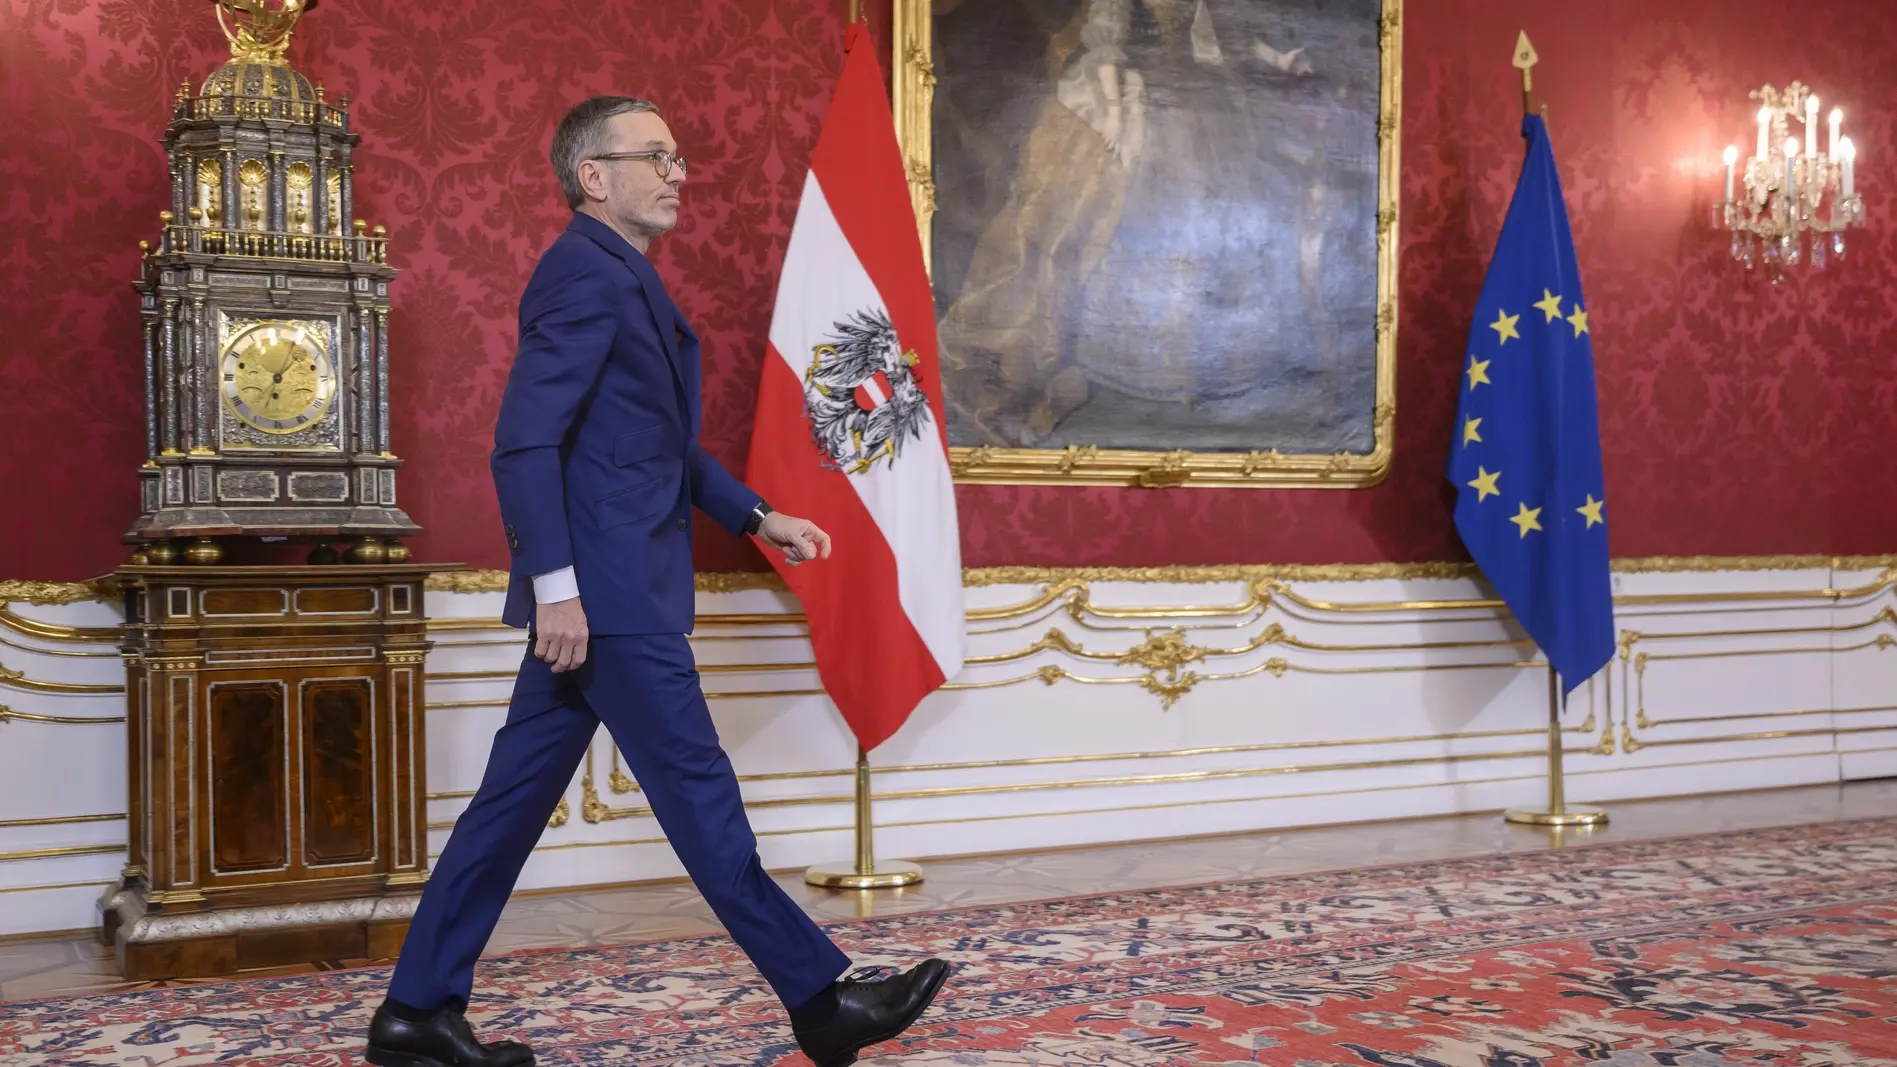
(645, 689)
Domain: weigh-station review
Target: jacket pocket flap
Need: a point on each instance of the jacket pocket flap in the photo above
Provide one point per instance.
(637, 445)
(642, 501)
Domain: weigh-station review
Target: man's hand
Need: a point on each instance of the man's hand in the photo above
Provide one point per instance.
(798, 539)
(560, 631)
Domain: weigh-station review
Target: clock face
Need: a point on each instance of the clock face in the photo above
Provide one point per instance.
(278, 377)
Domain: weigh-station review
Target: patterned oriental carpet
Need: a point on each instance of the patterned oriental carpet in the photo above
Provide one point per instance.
(1773, 947)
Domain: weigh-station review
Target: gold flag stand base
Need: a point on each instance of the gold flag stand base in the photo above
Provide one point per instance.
(864, 873)
(891, 875)
(1568, 816)
(1557, 812)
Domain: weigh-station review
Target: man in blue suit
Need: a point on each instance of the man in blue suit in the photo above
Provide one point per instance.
(597, 464)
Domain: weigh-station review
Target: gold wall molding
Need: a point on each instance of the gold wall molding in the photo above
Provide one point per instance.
(63, 653)
(59, 820)
(7, 715)
(602, 813)
(1632, 744)
(495, 581)
(1166, 652)
(50, 631)
(63, 850)
(1703, 564)
(1186, 574)
(1630, 638)
(17, 680)
(1201, 803)
(101, 886)
(621, 784)
(49, 593)
(482, 581)
(1638, 661)
(738, 581)
(1171, 683)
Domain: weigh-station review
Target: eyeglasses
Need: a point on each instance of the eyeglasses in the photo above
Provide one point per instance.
(662, 161)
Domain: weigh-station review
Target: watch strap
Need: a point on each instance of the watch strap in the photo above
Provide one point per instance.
(756, 519)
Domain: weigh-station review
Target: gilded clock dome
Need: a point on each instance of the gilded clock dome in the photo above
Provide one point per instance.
(259, 79)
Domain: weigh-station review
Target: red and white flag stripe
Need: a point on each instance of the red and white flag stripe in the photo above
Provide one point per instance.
(886, 611)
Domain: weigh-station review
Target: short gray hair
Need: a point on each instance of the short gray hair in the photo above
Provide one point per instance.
(579, 134)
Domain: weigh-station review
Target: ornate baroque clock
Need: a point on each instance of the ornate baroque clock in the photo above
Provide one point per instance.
(276, 732)
(266, 312)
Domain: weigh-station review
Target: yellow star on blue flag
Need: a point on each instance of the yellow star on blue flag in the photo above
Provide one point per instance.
(1544, 548)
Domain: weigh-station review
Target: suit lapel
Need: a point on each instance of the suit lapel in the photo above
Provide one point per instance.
(666, 320)
(688, 363)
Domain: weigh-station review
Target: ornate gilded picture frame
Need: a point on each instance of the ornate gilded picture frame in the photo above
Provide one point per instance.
(1162, 235)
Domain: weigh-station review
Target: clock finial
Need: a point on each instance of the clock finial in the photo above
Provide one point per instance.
(257, 30)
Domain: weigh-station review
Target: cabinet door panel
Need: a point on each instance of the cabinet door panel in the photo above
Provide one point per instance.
(338, 771)
(247, 748)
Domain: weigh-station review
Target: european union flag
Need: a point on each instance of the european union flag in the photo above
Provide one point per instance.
(1526, 460)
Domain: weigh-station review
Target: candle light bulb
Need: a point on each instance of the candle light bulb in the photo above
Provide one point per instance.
(1765, 124)
(1791, 148)
(1732, 154)
(1837, 119)
(1811, 125)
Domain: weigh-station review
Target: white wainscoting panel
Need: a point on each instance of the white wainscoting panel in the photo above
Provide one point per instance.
(1090, 712)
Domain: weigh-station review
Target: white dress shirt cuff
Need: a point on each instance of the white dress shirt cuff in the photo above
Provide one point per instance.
(555, 586)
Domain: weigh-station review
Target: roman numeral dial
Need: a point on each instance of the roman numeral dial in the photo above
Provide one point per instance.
(277, 377)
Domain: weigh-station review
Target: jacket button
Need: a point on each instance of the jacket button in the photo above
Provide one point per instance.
(681, 524)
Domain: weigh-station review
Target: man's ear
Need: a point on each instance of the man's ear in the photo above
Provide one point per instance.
(592, 179)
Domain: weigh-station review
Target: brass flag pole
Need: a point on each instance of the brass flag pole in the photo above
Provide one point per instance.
(863, 874)
(1557, 812)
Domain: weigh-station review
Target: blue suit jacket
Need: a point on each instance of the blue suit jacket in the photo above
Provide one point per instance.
(596, 456)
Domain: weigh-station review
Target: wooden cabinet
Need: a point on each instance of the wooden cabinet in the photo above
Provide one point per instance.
(276, 751)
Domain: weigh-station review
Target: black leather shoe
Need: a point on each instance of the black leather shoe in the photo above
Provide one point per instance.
(872, 1006)
(445, 1040)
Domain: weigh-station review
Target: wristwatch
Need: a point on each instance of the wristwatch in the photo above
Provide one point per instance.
(756, 518)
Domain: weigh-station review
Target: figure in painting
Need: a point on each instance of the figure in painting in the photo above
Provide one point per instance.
(1162, 271)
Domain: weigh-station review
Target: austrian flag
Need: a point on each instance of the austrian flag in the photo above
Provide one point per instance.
(849, 429)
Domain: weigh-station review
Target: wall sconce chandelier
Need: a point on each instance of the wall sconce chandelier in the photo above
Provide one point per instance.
(1791, 189)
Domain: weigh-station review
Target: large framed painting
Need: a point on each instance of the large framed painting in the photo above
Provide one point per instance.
(1161, 233)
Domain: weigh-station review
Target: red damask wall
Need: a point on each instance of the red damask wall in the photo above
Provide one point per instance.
(1738, 418)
